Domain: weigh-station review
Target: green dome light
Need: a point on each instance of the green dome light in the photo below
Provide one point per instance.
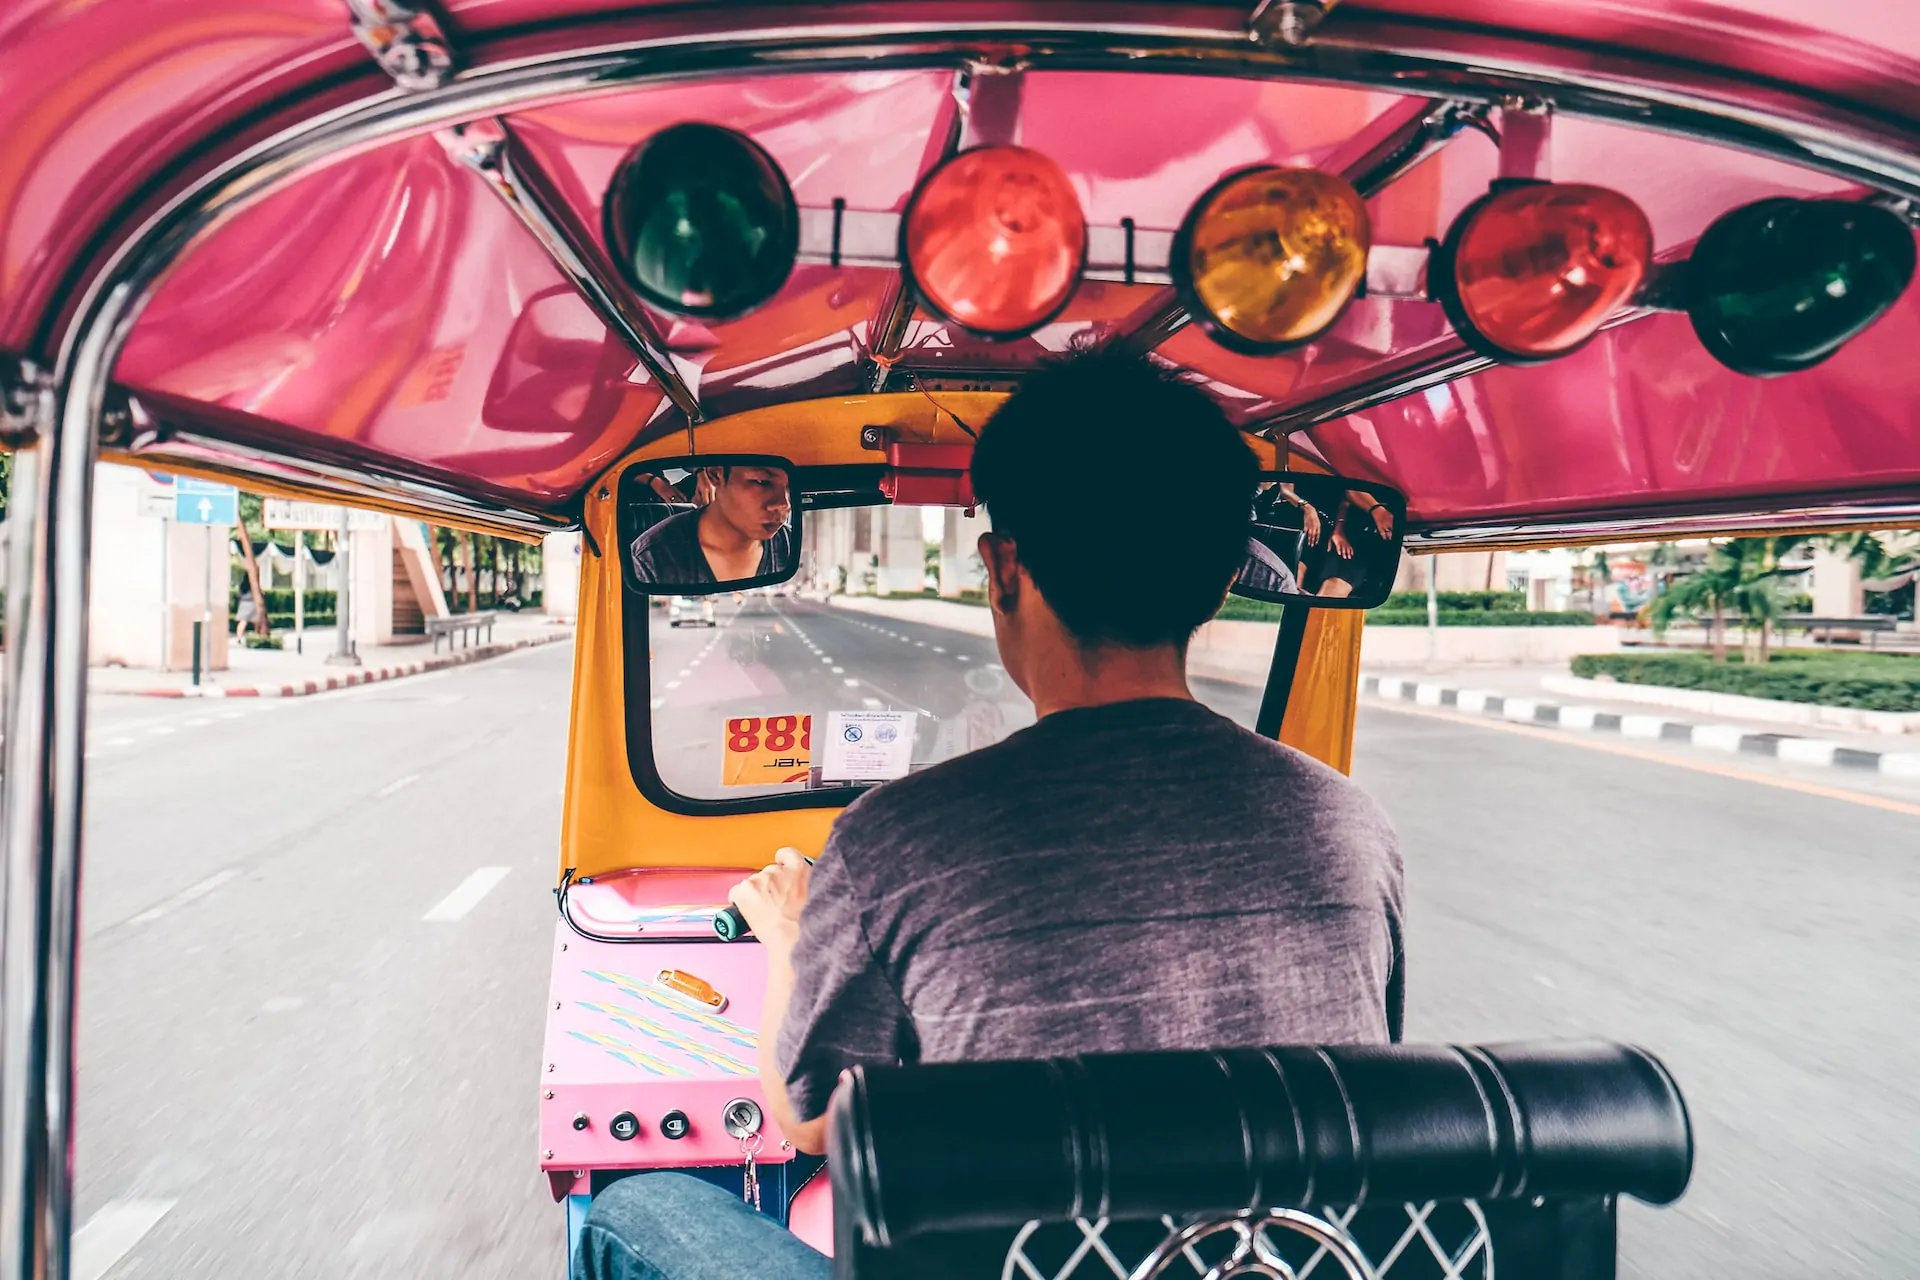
(701, 222)
(1781, 284)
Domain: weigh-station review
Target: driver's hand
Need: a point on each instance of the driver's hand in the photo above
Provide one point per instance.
(1310, 524)
(1383, 521)
(1342, 547)
(770, 899)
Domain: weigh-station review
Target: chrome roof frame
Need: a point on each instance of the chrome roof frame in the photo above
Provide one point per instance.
(45, 658)
(1462, 65)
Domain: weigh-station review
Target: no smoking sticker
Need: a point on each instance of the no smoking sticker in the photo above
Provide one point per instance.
(767, 751)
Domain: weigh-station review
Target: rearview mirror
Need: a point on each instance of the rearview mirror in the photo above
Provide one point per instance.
(715, 522)
(1323, 541)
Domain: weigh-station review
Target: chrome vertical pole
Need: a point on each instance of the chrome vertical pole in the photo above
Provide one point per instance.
(40, 804)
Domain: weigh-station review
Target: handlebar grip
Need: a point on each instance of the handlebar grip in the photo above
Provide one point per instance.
(731, 925)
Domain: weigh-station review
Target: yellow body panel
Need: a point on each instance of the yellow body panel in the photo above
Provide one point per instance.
(607, 825)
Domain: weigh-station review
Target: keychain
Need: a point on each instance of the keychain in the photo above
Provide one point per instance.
(750, 1177)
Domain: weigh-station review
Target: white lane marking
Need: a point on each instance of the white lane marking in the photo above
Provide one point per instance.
(110, 1234)
(117, 742)
(659, 703)
(839, 671)
(919, 644)
(198, 722)
(673, 684)
(466, 896)
(938, 649)
(851, 683)
(161, 729)
(396, 785)
(872, 704)
(186, 895)
(232, 715)
(963, 657)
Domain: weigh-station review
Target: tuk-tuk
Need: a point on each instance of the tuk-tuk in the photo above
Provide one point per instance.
(1467, 274)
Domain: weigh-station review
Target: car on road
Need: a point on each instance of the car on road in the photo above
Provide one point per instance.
(690, 611)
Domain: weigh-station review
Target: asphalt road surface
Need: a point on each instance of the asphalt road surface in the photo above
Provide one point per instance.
(315, 937)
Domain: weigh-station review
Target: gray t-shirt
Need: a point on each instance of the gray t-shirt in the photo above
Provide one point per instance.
(1141, 875)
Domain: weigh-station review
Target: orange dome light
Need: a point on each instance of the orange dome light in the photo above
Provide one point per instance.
(1530, 272)
(1269, 257)
(994, 240)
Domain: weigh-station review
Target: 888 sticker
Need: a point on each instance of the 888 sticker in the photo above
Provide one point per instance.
(765, 751)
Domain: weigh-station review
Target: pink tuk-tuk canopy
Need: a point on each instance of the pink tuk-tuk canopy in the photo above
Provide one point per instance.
(326, 293)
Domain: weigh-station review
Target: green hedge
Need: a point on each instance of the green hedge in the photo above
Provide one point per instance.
(1394, 614)
(1867, 682)
(1389, 616)
(1461, 601)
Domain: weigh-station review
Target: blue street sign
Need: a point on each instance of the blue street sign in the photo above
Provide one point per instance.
(204, 502)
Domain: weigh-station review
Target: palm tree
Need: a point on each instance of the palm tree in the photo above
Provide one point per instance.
(1599, 574)
(1709, 590)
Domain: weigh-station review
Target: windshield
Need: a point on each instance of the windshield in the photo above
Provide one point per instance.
(877, 660)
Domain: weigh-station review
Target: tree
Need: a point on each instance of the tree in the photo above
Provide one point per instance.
(1599, 574)
(1705, 590)
(251, 515)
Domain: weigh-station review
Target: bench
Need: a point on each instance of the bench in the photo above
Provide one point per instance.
(462, 627)
(1348, 1161)
(1873, 624)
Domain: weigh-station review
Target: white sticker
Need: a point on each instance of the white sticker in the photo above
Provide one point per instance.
(866, 746)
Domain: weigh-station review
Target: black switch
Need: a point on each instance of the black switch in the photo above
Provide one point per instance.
(673, 1125)
(580, 1121)
(624, 1126)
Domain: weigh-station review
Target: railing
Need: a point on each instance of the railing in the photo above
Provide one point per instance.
(460, 629)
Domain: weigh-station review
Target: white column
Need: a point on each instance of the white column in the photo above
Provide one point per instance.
(1837, 592)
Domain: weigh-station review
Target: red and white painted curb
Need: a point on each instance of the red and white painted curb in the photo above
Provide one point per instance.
(348, 679)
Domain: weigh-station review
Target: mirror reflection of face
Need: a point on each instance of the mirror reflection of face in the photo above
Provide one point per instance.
(753, 501)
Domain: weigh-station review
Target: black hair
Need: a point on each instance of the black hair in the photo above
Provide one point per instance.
(1078, 467)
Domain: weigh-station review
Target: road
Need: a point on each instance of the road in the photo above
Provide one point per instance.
(289, 1070)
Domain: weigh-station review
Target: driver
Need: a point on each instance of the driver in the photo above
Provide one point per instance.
(1132, 872)
(741, 532)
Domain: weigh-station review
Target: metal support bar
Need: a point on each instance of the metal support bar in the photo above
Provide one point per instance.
(407, 39)
(487, 148)
(40, 804)
(1526, 142)
(887, 334)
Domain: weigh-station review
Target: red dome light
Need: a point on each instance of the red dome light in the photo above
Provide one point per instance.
(1530, 272)
(994, 240)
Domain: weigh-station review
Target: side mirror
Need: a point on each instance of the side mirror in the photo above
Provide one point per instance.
(714, 522)
(1323, 541)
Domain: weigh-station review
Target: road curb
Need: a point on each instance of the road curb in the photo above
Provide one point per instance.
(1729, 738)
(349, 679)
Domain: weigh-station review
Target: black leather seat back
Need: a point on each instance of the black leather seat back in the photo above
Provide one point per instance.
(971, 1146)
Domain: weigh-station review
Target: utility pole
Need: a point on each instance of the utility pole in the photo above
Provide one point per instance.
(343, 654)
(299, 590)
(1433, 611)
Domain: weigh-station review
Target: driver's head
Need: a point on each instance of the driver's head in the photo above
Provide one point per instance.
(1071, 470)
(754, 500)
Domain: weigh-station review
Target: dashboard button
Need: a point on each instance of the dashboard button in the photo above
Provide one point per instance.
(674, 1125)
(624, 1126)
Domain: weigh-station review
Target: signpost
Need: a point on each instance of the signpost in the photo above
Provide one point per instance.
(204, 502)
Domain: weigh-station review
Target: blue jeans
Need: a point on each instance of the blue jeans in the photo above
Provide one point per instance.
(670, 1226)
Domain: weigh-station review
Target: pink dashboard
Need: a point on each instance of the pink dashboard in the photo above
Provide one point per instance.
(652, 1040)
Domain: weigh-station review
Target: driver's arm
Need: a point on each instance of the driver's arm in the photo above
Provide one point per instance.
(828, 1004)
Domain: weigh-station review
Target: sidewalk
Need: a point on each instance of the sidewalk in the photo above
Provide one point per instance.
(1520, 694)
(269, 673)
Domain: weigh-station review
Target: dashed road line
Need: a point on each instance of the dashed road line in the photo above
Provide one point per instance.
(189, 894)
(466, 896)
(112, 1232)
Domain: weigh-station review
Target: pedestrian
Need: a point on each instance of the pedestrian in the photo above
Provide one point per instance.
(244, 613)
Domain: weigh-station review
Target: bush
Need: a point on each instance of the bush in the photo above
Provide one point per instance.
(1865, 682)
(1395, 613)
(263, 642)
(1389, 616)
(1461, 601)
